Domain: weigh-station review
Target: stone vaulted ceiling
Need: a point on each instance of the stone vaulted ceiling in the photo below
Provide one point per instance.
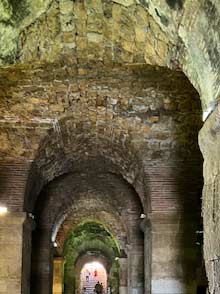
(82, 80)
(170, 33)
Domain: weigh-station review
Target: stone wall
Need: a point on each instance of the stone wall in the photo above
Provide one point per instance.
(152, 32)
(11, 245)
(209, 143)
(94, 30)
(181, 34)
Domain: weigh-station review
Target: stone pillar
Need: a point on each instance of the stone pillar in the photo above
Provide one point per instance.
(173, 255)
(42, 262)
(137, 269)
(11, 244)
(209, 141)
(28, 227)
(123, 276)
(57, 275)
(146, 228)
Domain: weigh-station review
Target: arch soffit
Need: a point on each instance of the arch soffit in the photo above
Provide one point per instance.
(57, 157)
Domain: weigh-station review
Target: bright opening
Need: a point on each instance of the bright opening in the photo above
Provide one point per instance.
(3, 210)
(93, 273)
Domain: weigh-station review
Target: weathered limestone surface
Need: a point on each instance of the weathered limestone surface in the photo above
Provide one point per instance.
(173, 254)
(42, 262)
(65, 111)
(123, 286)
(118, 31)
(11, 245)
(93, 30)
(209, 140)
(133, 118)
(193, 27)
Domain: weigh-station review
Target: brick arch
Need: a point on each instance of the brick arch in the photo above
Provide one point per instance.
(72, 147)
(99, 249)
(124, 138)
(113, 223)
(73, 197)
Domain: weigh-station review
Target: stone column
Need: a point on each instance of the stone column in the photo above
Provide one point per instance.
(57, 275)
(28, 227)
(123, 276)
(42, 262)
(136, 269)
(173, 269)
(11, 244)
(209, 141)
(146, 228)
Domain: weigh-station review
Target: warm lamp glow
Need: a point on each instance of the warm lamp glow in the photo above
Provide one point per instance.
(3, 210)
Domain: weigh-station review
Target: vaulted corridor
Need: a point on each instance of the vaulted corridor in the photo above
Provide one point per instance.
(109, 145)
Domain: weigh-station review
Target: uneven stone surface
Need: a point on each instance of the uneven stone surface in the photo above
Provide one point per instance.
(93, 30)
(144, 122)
(96, 121)
(77, 92)
(209, 143)
(11, 253)
(118, 31)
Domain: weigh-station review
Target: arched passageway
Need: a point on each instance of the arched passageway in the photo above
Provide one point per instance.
(101, 130)
(89, 243)
(84, 203)
(97, 173)
(128, 176)
(39, 39)
(92, 274)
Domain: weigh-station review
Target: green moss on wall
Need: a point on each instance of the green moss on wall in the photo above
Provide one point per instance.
(8, 43)
(20, 10)
(5, 11)
(86, 237)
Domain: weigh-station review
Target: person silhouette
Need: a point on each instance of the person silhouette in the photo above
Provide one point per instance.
(87, 276)
(102, 288)
(98, 288)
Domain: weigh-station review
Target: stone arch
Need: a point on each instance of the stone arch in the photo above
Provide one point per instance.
(174, 20)
(116, 133)
(76, 153)
(161, 35)
(82, 152)
(114, 32)
(104, 197)
(102, 246)
(112, 223)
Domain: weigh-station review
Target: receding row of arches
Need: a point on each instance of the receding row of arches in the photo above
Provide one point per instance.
(104, 201)
(86, 218)
(132, 176)
(90, 217)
